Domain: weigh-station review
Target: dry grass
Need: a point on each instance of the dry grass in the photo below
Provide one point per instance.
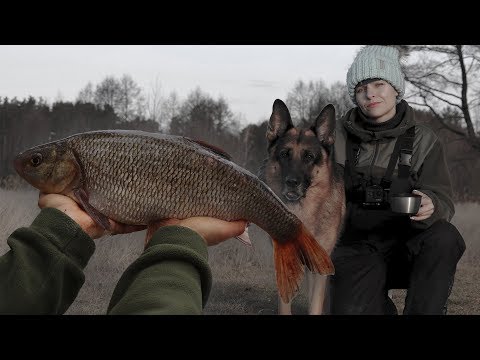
(244, 278)
(465, 296)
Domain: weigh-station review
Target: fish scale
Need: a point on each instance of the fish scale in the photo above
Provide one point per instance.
(182, 165)
(140, 178)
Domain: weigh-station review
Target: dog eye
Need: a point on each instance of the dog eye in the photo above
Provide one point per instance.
(283, 154)
(308, 156)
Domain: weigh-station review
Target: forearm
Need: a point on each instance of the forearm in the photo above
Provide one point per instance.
(172, 276)
(434, 181)
(42, 272)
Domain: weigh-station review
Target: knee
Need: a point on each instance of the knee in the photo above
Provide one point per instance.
(358, 286)
(355, 267)
(446, 238)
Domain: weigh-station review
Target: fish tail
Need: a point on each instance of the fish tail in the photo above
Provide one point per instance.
(292, 256)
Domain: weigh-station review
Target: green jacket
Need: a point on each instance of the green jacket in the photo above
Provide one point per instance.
(429, 166)
(42, 272)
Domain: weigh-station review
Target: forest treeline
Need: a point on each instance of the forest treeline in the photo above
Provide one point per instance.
(28, 122)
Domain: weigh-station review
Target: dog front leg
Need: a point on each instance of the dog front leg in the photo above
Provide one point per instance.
(283, 307)
(316, 292)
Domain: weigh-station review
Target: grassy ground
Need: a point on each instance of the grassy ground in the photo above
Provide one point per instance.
(248, 288)
(244, 279)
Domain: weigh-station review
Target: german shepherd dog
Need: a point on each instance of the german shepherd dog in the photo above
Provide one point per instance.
(301, 169)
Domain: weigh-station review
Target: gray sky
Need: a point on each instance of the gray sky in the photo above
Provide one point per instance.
(249, 77)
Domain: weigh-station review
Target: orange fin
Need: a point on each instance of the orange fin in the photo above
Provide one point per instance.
(213, 148)
(290, 258)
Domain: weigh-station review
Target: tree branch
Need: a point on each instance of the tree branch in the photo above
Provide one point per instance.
(426, 87)
(444, 78)
(430, 48)
(438, 97)
(440, 119)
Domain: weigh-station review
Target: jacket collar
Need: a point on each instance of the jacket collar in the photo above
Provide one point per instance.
(355, 125)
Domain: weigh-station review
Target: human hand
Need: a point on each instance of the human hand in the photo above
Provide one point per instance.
(70, 208)
(426, 207)
(212, 230)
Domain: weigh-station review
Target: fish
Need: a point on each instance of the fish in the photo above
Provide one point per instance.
(142, 178)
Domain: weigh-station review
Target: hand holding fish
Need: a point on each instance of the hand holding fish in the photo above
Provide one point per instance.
(73, 210)
(212, 230)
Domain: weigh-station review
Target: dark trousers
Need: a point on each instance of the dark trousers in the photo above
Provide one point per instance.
(368, 264)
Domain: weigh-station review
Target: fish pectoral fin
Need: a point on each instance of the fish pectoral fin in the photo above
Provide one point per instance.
(245, 238)
(96, 215)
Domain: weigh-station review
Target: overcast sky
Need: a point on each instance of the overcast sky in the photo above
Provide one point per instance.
(249, 77)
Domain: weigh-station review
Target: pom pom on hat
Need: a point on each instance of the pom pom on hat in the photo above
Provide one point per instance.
(378, 62)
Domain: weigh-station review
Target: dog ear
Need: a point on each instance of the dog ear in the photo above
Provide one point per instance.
(280, 121)
(325, 125)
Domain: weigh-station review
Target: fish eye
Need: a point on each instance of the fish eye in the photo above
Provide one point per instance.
(36, 159)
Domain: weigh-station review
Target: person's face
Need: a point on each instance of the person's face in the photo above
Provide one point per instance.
(377, 100)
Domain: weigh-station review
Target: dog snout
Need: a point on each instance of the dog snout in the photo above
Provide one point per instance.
(291, 182)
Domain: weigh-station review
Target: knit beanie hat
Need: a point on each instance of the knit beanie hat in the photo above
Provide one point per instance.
(377, 62)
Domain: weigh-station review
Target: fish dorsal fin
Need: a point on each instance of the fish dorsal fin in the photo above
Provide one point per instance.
(213, 148)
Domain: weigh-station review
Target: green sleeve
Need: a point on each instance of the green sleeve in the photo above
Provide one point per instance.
(434, 181)
(42, 272)
(172, 276)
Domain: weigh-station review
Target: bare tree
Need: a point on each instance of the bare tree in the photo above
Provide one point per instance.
(195, 118)
(131, 102)
(169, 108)
(154, 102)
(86, 95)
(447, 77)
(338, 96)
(306, 100)
(203, 118)
(108, 93)
(59, 98)
(254, 143)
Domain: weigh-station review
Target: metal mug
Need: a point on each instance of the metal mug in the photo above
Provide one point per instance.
(405, 203)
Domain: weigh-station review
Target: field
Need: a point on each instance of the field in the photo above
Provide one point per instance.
(244, 280)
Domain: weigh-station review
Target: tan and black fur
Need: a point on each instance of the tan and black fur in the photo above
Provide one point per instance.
(301, 169)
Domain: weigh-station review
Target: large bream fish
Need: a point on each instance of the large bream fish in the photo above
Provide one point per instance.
(139, 178)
